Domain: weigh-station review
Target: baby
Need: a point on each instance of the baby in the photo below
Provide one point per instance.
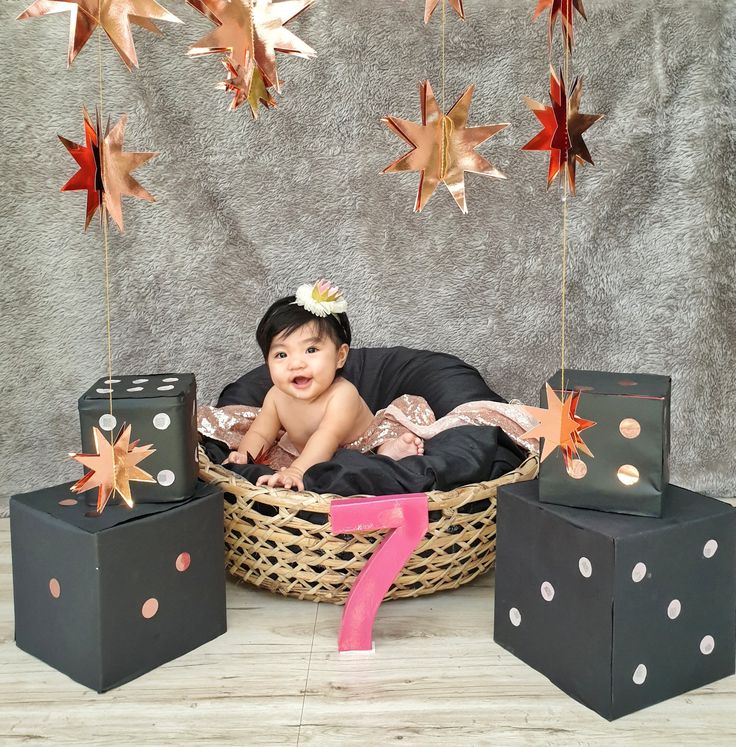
(305, 340)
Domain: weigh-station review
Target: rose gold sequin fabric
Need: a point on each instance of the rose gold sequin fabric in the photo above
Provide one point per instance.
(407, 414)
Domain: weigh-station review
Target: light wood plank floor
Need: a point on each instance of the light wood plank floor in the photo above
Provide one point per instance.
(275, 678)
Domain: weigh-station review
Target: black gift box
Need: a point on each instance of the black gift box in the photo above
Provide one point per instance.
(620, 612)
(105, 599)
(630, 442)
(162, 409)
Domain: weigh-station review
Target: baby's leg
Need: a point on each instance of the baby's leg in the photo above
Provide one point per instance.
(405, 445)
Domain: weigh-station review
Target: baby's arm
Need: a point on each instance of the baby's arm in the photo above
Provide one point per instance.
(343, 409)
(261, 434)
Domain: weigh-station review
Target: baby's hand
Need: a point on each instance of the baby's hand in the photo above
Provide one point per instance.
(236, 457)
(289, 477)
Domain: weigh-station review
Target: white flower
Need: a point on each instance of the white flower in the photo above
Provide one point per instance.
(321, 299)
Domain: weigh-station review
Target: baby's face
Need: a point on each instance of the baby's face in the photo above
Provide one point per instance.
(302, 364)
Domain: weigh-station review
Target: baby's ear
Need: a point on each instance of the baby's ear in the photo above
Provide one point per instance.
(342, 354)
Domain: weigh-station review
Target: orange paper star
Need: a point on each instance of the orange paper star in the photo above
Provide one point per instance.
(113, 16)
(565, 10)
(246, 83)
(563, 129)
(113, 467)
(560, 426)
(251, 29)
(430, 5)
(443, 148)
(105, 169)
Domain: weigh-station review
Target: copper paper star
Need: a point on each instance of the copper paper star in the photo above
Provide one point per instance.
(113, 16)
(563, 129)
(430, 5)
(246, 83)
(443, 148)
(105, 169)
(560, 426)
(113, 467)
(565, 10)
(251, 30)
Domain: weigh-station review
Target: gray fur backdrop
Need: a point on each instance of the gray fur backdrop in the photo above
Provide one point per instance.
(245, 211)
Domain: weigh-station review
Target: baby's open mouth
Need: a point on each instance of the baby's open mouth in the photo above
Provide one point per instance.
(301, 381)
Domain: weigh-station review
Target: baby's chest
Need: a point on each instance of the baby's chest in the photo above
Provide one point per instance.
(301, 422)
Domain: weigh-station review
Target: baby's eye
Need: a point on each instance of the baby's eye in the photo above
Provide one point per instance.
(311, 349)
(280, 355)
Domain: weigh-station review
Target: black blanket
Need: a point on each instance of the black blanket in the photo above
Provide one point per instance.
(455, 457)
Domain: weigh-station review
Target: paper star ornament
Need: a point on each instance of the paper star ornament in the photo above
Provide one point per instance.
(113, 467)
(105, 169)
(565, 10)
(559, 426)
(250, 32)
(431, 5)
(564, 126)
(442, 147)
(245, 82)
(112, 16)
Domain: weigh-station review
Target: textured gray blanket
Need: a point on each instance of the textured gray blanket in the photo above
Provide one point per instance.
(247, 210)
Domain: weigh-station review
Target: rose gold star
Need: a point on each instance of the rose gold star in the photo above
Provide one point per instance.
(113, 467)
(564, 126)
(443, 148)
(560, 426)
(255, 28)
(565, 10)
(113, 16)
(246, 83)
(430, 5)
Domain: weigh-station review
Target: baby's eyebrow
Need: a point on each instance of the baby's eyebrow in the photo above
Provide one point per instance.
(312, 339)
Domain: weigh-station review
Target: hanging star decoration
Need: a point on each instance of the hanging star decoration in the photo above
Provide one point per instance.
(563, 129)
(246, 83)
(250, 32)
(105, 169)
(113, 467)
(559, 426)
(565, 10)
(431, 5)
(442, 147)
(112, 16)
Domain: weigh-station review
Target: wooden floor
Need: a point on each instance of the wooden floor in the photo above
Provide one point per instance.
(275, 678)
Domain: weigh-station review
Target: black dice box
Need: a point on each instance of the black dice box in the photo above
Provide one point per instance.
(161, 408)
(619, 611)
(106, 598)
(630, 442)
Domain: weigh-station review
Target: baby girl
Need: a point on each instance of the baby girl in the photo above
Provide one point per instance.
(305, 341)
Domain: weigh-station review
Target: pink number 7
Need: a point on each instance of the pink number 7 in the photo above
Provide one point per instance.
(407, 517)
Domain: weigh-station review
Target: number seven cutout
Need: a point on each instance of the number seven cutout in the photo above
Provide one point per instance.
(407, 517)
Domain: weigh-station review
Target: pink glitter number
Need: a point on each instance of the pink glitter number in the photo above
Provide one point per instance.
(407, 517)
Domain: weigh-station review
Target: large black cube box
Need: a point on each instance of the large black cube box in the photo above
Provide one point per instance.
(630, 443)
(162, 409)
(104, 599)
(620, 612)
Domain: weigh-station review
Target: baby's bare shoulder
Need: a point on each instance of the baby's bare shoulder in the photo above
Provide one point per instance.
(345, 389)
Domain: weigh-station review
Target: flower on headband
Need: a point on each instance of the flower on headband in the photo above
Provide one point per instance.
(321, 299)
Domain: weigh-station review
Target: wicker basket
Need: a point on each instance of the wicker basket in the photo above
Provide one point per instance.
(280, 540)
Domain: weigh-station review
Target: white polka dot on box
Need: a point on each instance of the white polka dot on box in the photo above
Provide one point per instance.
(161, 409)
(619, 611)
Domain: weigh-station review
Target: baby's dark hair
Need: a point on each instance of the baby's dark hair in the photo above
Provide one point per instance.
(284, 317)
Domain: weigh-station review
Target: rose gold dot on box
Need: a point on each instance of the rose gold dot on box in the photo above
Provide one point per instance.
(55, 588)
(149, 608)
(183, 561)
(628, 382)
(69, 502)
(629, 428)
(628, 474)
(577, 469)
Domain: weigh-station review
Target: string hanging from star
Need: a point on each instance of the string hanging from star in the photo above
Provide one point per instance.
(113, 17)
(250, 32)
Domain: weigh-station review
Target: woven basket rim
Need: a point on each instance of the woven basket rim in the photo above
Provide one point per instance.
(306, 499)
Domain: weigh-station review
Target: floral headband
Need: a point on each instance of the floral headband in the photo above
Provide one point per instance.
(321, 299)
